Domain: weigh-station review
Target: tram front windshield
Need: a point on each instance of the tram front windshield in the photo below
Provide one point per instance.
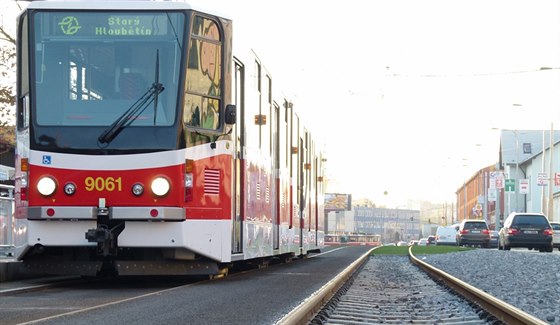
(89, 68)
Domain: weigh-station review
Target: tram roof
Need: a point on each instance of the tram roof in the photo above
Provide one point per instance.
(116, 5)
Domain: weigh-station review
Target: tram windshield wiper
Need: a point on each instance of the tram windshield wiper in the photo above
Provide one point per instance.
(132, 113)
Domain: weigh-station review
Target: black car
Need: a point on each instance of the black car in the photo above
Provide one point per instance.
(530, 230)
(474, 233)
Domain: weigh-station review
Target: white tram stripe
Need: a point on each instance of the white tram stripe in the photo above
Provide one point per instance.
(107, 162)
(128, 162)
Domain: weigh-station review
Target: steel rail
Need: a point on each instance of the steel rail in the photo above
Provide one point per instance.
(498, 308)
(308, 309)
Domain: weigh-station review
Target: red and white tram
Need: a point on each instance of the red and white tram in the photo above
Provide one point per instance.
(147, 143)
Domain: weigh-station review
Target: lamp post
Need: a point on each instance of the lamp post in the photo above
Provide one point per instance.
(550, 207)
(516, 171)
(464, 190)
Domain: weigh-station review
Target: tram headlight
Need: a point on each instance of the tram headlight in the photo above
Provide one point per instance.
(160, 186)
(137, 189)
(46, 186)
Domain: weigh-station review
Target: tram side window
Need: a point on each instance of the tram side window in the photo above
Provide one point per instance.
(204, 69)
(23, 100)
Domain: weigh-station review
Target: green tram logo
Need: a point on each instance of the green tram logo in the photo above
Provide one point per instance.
(69, 25)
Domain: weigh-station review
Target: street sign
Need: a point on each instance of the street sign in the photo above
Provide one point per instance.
(496, 180)
(492, 195)
(492, 180)
(500, 182)
(542, 179)
(524, 186)
(510, 185)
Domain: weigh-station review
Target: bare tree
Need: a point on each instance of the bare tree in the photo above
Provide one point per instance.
(7, 82)
(7, 73)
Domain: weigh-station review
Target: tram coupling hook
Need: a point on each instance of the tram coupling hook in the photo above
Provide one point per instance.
(105, 238)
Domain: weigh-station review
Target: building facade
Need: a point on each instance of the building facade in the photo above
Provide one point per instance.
(392, 224)
(523, 179)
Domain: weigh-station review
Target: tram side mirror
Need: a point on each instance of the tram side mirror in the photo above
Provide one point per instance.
(231, 114)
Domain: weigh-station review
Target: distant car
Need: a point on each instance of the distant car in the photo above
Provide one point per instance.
(494, 236)
(402, 243)
(556, 235)
(445, 235)
(473, 233)
(431, 240)
(530, 230)
(413, 243)
(423, 242)
(389, 244)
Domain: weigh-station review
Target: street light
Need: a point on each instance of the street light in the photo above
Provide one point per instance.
(464, 190)
(550, 207)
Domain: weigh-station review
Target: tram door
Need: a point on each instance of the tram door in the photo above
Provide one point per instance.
(302, 193)
(238, 170)
(275, 129)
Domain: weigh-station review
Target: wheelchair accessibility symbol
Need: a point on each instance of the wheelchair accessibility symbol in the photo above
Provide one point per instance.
(47, 160)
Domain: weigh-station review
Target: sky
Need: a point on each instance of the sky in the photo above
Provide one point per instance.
(407, 97)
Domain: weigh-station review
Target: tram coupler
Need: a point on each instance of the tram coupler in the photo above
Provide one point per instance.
(103, 211)
(105, 238)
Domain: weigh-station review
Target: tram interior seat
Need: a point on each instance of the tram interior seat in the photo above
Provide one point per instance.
(132, 85)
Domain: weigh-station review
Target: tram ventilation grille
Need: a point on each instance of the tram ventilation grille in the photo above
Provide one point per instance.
(211, 181)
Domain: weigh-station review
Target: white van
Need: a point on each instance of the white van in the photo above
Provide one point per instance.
(446, 235)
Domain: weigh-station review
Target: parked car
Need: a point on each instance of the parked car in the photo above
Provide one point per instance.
(530, 230)
(494, 236)
(473, 232)
(423, 242)
(445, 235)
(431, 240)
(556, 235)
(413, 243)
(402, 243)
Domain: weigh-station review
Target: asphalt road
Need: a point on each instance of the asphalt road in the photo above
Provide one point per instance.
(257, 297)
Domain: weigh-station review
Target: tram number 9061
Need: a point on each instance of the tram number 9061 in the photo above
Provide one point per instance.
(100, 184)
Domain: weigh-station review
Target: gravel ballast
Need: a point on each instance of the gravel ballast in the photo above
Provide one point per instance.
(528, 280)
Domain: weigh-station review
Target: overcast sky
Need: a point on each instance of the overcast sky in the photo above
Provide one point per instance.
(406, 94)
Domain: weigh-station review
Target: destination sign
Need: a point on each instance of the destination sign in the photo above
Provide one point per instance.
(77, 24)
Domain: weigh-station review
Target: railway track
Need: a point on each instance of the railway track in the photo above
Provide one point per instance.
(379, 289)
(397, 290)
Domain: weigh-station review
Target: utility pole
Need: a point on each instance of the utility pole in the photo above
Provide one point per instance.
(550, 213)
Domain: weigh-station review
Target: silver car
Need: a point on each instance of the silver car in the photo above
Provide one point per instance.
(556, 235)
(494, 237)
